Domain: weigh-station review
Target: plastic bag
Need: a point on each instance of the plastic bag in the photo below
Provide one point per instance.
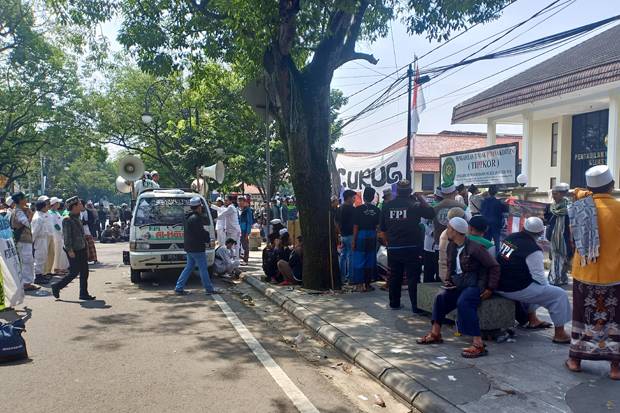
(10, 270)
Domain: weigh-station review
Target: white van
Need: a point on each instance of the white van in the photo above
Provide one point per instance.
(156, 232)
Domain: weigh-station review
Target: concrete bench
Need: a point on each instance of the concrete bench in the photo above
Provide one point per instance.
(495, 313)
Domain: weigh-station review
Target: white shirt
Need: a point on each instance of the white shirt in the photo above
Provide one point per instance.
(429, 239)
(84, 217)
(41, 225)
(535, 263)
(220, 222)
(458, 259)
(143, 184)
(229, 215)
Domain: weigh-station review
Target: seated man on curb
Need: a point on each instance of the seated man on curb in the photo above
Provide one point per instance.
(473, 274)
(291, 269)
(523, 279)
(226, 264)
(270, 259)
(478, 226)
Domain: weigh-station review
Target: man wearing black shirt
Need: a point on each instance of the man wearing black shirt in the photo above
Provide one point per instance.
(344, 220)
(364, 245)
(401, 231)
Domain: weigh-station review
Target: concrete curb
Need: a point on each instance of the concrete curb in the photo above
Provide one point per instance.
(396, 380)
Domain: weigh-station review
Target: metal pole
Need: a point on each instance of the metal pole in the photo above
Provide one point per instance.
(267, 160)
(408, 164)
(42, 176)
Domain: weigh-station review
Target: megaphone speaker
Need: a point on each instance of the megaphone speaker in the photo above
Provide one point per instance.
(215, 171)
(122, 186)
(131, 168)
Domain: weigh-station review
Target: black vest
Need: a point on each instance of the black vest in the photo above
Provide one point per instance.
(515, 275)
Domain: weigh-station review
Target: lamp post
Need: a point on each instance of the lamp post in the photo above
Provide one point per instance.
(147, 117)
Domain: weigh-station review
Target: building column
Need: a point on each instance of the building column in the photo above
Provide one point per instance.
(565, 143)
(613, 136)
(491, 132)
(526, 142)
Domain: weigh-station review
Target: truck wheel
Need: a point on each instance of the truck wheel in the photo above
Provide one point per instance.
(135, 276)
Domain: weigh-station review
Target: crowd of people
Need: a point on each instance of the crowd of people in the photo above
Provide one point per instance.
(455, 237)
(52, 238)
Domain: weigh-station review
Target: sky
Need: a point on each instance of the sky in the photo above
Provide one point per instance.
(384, 126)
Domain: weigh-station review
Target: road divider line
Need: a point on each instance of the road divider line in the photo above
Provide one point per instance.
(303, 404)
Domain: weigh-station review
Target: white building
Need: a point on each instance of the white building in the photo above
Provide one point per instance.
(569, 107)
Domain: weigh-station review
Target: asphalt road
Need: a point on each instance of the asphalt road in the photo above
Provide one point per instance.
(140, 348)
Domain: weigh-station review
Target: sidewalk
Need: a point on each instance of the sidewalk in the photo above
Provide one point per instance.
(525, 376)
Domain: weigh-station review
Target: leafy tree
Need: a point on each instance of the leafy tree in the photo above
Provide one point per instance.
(298, 46)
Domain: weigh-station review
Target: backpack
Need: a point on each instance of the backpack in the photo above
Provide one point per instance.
(12, 344)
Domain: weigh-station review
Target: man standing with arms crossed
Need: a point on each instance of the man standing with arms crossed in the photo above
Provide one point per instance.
(403, 236)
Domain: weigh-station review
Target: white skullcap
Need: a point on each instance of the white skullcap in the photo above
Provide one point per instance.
(43, 198)
(219, 199)
(275, 221)
(283, 231)
(154, 173)
(9, 201)
(55, 200)
(522, 179)
(534, 225)
(561, 187)
(447, 189)
(598, 176)
(459, 225)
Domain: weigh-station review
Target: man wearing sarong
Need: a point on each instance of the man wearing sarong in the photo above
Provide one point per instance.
(558, 233)
(595, 225)
(364, 245)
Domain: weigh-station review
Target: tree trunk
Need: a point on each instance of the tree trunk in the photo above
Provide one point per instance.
(307, 127)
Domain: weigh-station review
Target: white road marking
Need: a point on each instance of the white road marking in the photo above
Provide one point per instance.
(286, 384)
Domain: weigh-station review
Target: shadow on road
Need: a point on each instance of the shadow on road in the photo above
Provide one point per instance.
(95, 304)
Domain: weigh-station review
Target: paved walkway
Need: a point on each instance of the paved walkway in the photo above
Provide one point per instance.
(524, 376)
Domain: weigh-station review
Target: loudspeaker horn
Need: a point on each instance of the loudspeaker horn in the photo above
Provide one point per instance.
(122, 185)
(215, 171)
(131, 168)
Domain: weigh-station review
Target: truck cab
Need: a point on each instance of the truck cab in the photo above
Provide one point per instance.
(157, 229)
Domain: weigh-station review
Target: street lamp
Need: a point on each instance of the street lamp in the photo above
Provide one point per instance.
(147, 118)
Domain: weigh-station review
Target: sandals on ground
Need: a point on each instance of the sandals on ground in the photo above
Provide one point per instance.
(540, 326)
(474, 351)
(430, 339)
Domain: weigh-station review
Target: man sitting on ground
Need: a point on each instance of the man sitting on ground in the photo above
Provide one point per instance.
(107, 236)
(473, 274)
(291, 270)
(226, 264)
(523, 279)
(270, 263)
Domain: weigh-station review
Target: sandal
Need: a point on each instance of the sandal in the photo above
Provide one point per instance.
(430, 339)
(474, 352)
(540, 326)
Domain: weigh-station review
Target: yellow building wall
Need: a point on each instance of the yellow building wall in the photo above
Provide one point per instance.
(542, 171)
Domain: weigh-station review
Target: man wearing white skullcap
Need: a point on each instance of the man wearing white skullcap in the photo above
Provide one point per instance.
(523, 279)
(473, 274)
(596, 273)
(558, 234)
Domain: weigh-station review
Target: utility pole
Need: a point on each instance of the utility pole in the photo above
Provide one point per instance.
(42, 175)
(409, 91)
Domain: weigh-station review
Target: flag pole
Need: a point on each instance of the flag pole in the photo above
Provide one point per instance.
(408, 164)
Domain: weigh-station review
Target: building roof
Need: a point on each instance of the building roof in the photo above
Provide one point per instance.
(593, 62)
(428, 147)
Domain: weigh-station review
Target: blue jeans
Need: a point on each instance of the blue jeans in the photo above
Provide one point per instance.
(195, 259)
(466, 303)
(345, 258)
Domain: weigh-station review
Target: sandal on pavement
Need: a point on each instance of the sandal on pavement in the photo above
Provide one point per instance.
(567, 341)
(430, 339)
(474, 351)
(573, 369)
(540, 326)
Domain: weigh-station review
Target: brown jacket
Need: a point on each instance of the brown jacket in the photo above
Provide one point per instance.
(479, 267)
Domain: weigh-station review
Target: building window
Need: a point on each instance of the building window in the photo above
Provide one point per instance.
(428, 182)
(554, 144)
(552, 182)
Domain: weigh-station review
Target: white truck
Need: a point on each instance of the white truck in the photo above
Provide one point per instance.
(157, 228)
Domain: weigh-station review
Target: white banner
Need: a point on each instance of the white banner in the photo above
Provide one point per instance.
(493, 165)
(380, 171)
